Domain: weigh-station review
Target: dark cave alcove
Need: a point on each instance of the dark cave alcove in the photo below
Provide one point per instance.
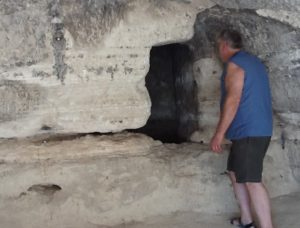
(173, 94)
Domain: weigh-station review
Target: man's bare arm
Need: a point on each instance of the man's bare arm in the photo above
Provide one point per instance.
(234, 83)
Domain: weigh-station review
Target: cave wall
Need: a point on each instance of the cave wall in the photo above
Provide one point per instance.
(277, 44)
(274, 42)
(102, 181)
(80, 66)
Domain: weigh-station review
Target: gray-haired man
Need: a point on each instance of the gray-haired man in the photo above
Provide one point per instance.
(246, 120)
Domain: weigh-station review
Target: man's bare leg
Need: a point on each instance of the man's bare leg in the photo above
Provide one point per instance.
(261, 203)
(242, 196)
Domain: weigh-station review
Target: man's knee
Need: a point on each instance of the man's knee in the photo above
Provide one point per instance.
(253, 185)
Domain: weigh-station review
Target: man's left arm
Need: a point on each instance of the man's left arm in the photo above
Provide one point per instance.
(234, 83)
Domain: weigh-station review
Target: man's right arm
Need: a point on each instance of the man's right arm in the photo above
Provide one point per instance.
(234, 83)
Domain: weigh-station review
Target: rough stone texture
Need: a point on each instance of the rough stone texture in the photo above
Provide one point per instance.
(88, 59)
(120, 178)
(289, 17)
(274, 42)
(80, 66)
(291, 5)
(207, 75)
(285, 214)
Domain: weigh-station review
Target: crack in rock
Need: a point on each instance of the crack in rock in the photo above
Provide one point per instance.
(58, 41)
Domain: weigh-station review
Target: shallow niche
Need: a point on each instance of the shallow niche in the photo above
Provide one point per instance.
(173, 92)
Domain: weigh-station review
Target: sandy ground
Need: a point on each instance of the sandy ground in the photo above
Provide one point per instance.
(286, 211)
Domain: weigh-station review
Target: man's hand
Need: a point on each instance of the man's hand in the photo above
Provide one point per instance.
(215, 143)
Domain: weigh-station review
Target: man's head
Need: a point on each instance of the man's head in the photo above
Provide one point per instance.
(228, 43)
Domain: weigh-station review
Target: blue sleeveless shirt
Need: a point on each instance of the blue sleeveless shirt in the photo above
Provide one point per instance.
(254, 114)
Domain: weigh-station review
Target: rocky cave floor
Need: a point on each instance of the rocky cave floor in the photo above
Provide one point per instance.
(285, 209)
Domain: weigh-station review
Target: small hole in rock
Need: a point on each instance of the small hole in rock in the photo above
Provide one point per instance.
(45, 128)
(45, 189)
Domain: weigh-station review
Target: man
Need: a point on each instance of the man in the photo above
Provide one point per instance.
(246, 120)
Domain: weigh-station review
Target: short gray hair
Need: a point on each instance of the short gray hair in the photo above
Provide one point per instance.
(233, 37)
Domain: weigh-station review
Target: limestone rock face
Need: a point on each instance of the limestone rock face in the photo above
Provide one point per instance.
(109, 180)
(291, 5)
(80, 66)
(73, 67)
(274, 42)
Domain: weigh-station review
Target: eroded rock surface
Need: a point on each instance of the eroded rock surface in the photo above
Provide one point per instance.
(80, 66)
(274, 42)
(89, 59)
(74, 67)
(107, 180)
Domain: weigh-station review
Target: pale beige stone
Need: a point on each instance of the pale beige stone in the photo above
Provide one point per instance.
(126, 177)
(290, 17)
(103, 89)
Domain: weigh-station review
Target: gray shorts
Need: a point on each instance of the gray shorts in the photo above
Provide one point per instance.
(246, 158)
